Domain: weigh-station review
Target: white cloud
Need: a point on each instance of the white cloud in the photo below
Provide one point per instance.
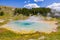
(25, 2)
(38, 0)
(32, 5)
(54, 6)
(28, 0)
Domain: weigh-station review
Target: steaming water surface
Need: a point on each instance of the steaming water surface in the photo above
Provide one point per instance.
(31, 24)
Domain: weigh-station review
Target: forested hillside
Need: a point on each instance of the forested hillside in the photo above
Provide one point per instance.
(16, 11)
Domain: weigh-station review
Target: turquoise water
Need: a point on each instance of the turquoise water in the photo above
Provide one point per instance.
(28, 24)
(31, 25)
(23, 24)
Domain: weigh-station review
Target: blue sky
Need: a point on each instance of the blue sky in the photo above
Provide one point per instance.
(22, 3)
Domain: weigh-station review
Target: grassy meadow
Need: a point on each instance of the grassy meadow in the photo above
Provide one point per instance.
(8, 16)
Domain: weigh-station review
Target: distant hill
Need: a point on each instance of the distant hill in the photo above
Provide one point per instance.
(6, 9)
(11, 10)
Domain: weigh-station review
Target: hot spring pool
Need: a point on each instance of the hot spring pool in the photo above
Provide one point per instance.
(29, 26)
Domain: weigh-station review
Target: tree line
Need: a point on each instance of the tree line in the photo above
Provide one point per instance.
(33, 11)
(27, 12)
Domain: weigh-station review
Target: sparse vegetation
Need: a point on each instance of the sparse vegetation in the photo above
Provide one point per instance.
(9, 35)
(8, 14)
